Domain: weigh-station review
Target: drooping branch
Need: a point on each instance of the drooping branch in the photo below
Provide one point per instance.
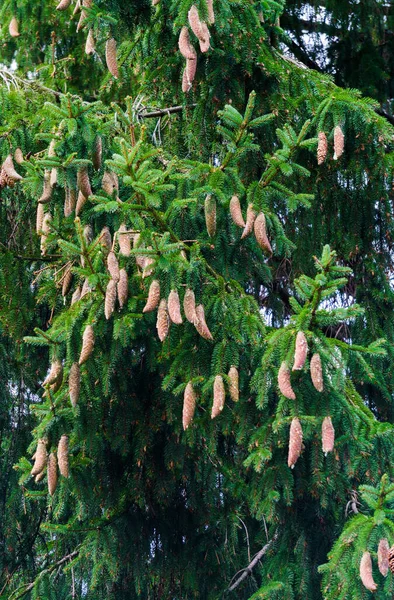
(247, 571)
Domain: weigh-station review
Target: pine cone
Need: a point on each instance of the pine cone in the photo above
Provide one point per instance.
(40, 458)
(205, 37)
(55, 373)
(260, 232)
(153, 297)
(39, 218)
(18, 156)
(250, 218)
(39, 477)
(98, 147)
(163, 321)
(62, 456)
(148, 261)
(88, 234)
(46, 189)
(110, 182)
(84, 182)
(194, 22)
(210, 215)
(174, 308)
(86, 289)
(123, 287)
(124, 240)
(391, 559)
(110, 57)
(52, 474)
(67, 280)
(69, 201)
(113, 266)
(13, 28)
(327, 435)
(76, 295)
(234, 384)
(383, 557)
(201, 324)
(284, 382)
(53, 178)
(90, 45)
(74, 383)
(211, 14)
(189, 74)
(110, 299)
(366, 572)
(80, 203)
(87, 344)
(63, 4)
(185, 45)
(301, 351)
(219, 395)
(82, 18)
(236, 212)
(9, 169)
(295, 442)
(189, 405)
(45, 228)
(189, 307)
(339, 142)
(322, 148)
(317, 372)
(186, 84)
(105, 238)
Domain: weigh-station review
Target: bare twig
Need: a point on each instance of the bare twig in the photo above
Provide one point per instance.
(247, 571)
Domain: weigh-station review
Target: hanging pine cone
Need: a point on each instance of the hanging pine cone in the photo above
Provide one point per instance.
(189, 405)
(201, 324)
(18, 156)
(88, 234)
(301, 351)
(67, 280)
(210, 215)
(40, 457)
(105, 238)
(63, 4)
(383, 557)
(366, 572)
(69, 201)
(84, 182)
(260, 232)
(13, 28)
(327, 435)
(250, 218)
(123, 287)
(295, 442)
(189, 307)
(82, 18)
(110, 57)
(234, 384)
(113, 266)
(77, 7)
(52, 474)
(110, 182)
(317, 372)
(39, 477)
(74, 383)
(90, 45)
(174, 308)
(62, 456)
(124, 240)
(53, 178)
(81, 201)
(185, 45)
(39, 218)
(76, 295)
(87, 344)
(163, 321)
(284, 382)
(391, 559)
(110, 299)
(322, 148)
(236, 212)
(46, 189)
(148, 261)
(219, 396)
(194, 22)
(153, 297)
(55, 373)
(45, 228)
(189, 75)
(339, 142)
(211, 14)
(9, 169)
(204, 41)
(86, 289)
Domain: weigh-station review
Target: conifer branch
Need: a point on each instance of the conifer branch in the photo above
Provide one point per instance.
(247, 571)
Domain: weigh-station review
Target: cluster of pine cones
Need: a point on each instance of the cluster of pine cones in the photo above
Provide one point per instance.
(51, 462)
(385, 562)
(201, 31)
(322, 146)
(8, 174)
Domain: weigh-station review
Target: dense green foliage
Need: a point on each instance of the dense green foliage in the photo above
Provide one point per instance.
(151, 510)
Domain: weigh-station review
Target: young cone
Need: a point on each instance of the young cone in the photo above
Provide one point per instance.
(201, 324)
(174, 308)
(250, 218)
(13, 28)
(62, 456)
(124, 240)
(322, 148)
(210, 215)
(260, 232)
(327, 435)
(163, 321)
(383, 556)
(234, 384)
(219, 396)
(317, 372)
(301, 351)
(189, 307)
(74, 383)
(84, 182)
(339, 142)
(87, 344)
(40, 459)
(189, 405)
(123, 287)
(52, 474)
(236, 212)
(366, 572)
(391, 559)
(153, 297)
(110, 299)
(295, 442)
(110, 57)
(113, 266)
(284, 382)
(185, 46)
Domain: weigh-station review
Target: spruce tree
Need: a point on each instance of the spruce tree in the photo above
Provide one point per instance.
(196, 304)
